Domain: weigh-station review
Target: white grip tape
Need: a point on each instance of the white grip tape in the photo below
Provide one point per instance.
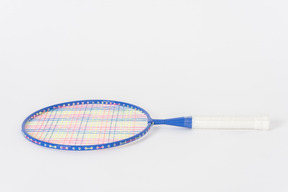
(233, 122)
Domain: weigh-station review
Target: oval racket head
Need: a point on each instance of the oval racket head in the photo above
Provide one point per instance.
(86, 125)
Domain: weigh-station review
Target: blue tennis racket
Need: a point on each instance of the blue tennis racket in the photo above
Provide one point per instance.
(101, 124)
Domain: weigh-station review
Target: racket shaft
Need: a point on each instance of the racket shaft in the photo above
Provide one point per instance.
(233, 122)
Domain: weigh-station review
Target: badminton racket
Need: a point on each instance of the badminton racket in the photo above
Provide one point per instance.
(100, 124)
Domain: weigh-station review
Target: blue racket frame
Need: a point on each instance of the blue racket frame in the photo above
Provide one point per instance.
(86, 147)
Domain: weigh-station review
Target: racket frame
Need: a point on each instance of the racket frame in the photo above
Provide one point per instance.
(85, 147)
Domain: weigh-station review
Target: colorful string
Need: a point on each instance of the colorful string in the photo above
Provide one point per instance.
(87, 124)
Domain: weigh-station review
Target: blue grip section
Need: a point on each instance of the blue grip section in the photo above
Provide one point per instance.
(179, 121)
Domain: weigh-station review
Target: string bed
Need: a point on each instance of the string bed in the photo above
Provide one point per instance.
(86, 124)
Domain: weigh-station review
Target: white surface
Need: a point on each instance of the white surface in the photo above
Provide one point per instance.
(171, 57)
(231, 122)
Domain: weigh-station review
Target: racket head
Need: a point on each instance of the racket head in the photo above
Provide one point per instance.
(86, 125)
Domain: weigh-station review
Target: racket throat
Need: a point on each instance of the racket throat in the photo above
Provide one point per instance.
(179, 121)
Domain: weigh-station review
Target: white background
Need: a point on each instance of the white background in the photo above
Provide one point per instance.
(171, 57)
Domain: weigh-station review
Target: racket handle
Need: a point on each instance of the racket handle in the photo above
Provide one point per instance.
(233, 122)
